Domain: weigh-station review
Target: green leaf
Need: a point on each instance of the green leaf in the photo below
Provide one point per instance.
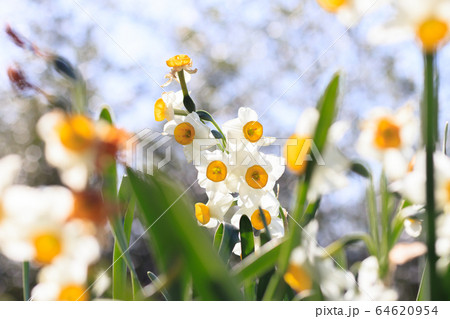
(263, 282)
(424, 289)
(247, 248)
(258, 263)
(119, 279)
(205, 116)
(218, 237)
(327, 110)
(217, 134)
(341, 243)
(64, 67)
(106, 114)
(228, 238)
(168, 216)
(189, 103)
(372, 213)
(121, 240)
(361, 169)
(247, 239)
(155, 280)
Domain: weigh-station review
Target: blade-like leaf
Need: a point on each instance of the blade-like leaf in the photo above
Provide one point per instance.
(424, 289)
(167, 215)
(258, 263)
(225, 239)
(247, 239)
(119, 279)
(327, 110)
(106, 114)
(247, 247)
(155, 280)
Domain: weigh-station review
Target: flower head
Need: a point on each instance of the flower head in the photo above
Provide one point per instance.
(213, 212)
(64, 280)
(245, 130)
(78, 146)
(308, 269)
(390, 137)
(426, 21)
(349, 11)
(187, 129)
(269, 205)
(329, 173)
(178, 63)
(36, 226)
(166, 105)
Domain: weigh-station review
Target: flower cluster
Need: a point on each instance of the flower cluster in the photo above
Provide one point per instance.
(57, 227)
(231, 167)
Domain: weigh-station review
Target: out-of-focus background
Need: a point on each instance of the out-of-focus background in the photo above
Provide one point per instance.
(274, 56)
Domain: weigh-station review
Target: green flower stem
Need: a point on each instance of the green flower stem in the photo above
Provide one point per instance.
(211, 119)
(183, 83)
(430, 123)
(26, 280)
(180, 112)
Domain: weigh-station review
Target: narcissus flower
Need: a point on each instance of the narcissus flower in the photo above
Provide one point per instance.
(330, 171)
(64, 280)
(390, 137)
(214, 172)
(178, 63)
(246, 129)
(78, 146)
(270, 207)
(370, 286)
(309, 269)
(411, 223)
(412, 186)
(9, 168)
(443, 242)
(213, 212)
(166, 105)
(426, 21)
(349, 11)
(187, 129)
(36, 226)
(255, 173)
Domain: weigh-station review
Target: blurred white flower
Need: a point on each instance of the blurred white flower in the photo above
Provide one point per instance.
(64, 280)
(412, 186)
(166, 106)
(390, 137)
(371, 287)
(330, 172)
(427, 21)
(187, 129)
(349, 12)
(308, 268)
(443, 241)
(9, 168)
(77, 146)
(36, 228)
(412, 224)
